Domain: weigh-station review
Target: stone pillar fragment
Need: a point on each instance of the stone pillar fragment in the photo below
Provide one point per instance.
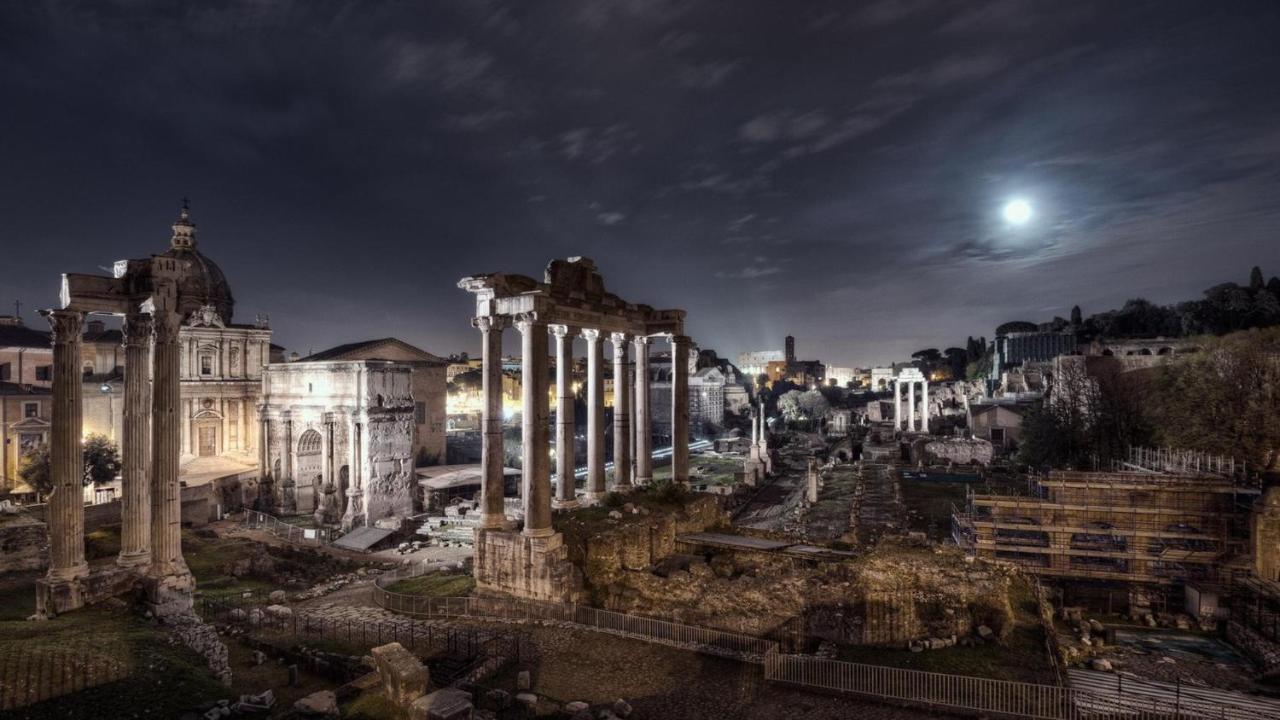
(621, 415)
(924, 406)
(595, 415)
(680, 408)
(643, 431)
(288, 486)
(65, 514)
(897, 405)
(135, 442)
(493, 512)
(566, 456)
(535, 418)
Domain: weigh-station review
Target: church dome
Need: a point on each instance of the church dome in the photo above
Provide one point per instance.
(205, 283)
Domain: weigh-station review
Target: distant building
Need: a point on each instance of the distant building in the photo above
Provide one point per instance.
(840, 376)
(429, 395)
(25, 413)
(998, 422)
(882, 379)
(755, 363)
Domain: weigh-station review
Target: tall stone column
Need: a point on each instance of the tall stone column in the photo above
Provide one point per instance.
(911, 406)
(897, 405)
(65, 513)
(135, 441)
(288, 486)
(680, 408)
(535, 418)
(493, 512)
(643, 431)
(349, 513)
(621, 414)
(595, 415)
(924, 406)
(566, 457)
(166, 500)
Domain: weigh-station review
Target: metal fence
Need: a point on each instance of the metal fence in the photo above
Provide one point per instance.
(255, 520)
(935, 690)
(32, 673)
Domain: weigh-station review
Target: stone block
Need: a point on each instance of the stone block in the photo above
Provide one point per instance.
(404, 677)
(447, 704)
(318, 704)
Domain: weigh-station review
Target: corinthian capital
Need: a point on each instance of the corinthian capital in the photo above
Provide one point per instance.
(136, 328)
(164, 326)
(619, 341)
(528, 321)
(591, 335)
(67, 325)
(486, 323)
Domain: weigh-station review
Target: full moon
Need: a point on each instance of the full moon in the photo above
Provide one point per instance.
(1017, 212)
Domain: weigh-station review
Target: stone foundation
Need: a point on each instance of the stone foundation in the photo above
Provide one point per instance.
(54, 597)
(536, 568)
(170, 594)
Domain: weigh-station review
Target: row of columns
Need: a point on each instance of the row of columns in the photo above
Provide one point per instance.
(908, 422)
(151, 504)
(631, 421)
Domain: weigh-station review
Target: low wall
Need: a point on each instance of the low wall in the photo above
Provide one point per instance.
(198, 508)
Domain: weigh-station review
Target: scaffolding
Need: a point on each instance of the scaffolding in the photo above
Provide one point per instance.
(1142, 526)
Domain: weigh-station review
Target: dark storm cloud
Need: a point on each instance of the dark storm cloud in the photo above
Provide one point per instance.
(832, 170)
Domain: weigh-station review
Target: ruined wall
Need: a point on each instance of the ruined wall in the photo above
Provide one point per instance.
(961, 451)
(23, 545)
(639, 542)
(429, 390)
(1265, 535)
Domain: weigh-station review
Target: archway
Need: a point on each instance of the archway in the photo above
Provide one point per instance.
(310, 468)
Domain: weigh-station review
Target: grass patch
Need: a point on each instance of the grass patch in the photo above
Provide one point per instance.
(164, 680)
(372, 705)
(435, 585)
(102, 543)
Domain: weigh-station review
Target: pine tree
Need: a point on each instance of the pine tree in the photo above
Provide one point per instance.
(1256, 282)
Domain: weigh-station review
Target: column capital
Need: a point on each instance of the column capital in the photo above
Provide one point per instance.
(485, 323)
(679, 340)
(591, 334)
(527, 321)
(67, 325)
(620, 341)
(562, 331)
(165, 326)
(642, 340)
(136, 329)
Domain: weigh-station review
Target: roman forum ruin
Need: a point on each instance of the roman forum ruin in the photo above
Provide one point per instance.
(154, 296)
(571, 301)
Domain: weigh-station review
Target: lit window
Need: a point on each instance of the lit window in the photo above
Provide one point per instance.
(206, 364)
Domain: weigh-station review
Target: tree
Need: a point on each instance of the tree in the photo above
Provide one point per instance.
(1075, 316)
(101, 459)
(789, 405)
(1255, 279)
(34, 470)
(101, 464)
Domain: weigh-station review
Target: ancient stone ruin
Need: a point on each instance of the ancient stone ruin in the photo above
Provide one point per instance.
(570, 301)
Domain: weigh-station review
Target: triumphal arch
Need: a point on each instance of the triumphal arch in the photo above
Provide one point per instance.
(570, 302)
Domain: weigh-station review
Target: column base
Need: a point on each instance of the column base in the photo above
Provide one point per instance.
(641, 480)
(169, 590)
(538, 532)
(139, 558)
(566, 504)
(67, 574)
(623, 489)
(590, 498)
(493, 521)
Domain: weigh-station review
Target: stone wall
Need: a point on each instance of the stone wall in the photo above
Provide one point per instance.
(961, 451)
(198, 506)
(1264, 527)
(639, 542)
(23, 545)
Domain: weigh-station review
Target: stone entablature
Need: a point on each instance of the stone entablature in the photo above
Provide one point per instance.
(340, 439)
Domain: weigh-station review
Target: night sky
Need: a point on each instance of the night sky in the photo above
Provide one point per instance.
(831, 170)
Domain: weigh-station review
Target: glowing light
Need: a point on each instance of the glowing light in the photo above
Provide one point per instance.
(1017, 211)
